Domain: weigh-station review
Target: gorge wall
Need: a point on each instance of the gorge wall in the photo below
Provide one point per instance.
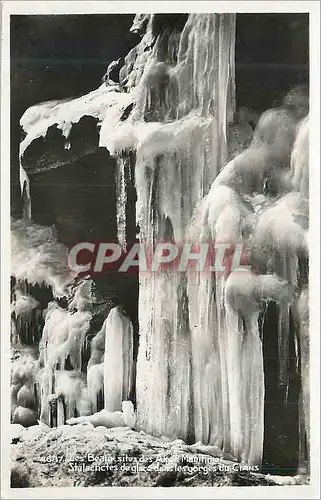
(162, 152)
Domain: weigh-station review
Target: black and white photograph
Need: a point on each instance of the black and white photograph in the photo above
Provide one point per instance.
(160, 249)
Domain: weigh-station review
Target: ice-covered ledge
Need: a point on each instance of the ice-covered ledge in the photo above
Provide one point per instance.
(60, 132)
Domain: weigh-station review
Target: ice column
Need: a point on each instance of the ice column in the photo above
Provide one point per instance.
(118, 359)
(176, 162)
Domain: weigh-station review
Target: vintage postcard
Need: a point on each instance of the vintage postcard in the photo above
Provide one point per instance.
(160, 199)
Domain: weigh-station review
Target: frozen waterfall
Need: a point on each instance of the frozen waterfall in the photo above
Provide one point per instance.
(199, 373)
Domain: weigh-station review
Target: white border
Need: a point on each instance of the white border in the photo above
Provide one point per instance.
(91, 7)
(123, 7)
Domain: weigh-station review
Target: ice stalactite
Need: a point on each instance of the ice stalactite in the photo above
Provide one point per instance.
(124, 184)
(244, 368)
(95, 370)
(228, 214)
(175, 165)
(95, 385)
(25, 194)
(39, 272)
(205, 69)
(223, 217)
(65, 311)
(281, 238)
(300, 160)
(110, 367)
(281, 241)
(300, 170)
(163, 365)
(304, 402)
(178, 130)
(245, 294)
(209, 403)
(61, 381)
(118, 359)
(27, 317)
(61, 349)
(63, 336)
(121, 184)
(185, 72)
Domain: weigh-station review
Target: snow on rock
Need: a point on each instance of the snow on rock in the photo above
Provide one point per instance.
(37, 119)
(70, 456)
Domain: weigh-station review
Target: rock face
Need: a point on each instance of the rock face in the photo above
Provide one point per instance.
(221, 358)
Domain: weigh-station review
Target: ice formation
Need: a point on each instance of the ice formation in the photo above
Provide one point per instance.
(108, 419)
(37, 119)
(178, 130)
(118, 359)
(23, 395)
(39, 264)
(274, 241)
(38, 257)
(62, 341)
(200, 178)
(204, 339)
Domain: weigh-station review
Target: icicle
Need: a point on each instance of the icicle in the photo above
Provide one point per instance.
(175, 164)
(27, 317)
(60, 412)
(66, 335)
(300, 159)
(118, 359)
(304, 401)
(25, 193)
(281, 239)
(253, 393)
(121, 204)
(45, 381)
(163, 372)
(208, 398)
(124, 183)
(245, 366)
(222, 328)
(62, 395)
(61, 345)
(283, 347)
(95, 384)
(222, 216)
